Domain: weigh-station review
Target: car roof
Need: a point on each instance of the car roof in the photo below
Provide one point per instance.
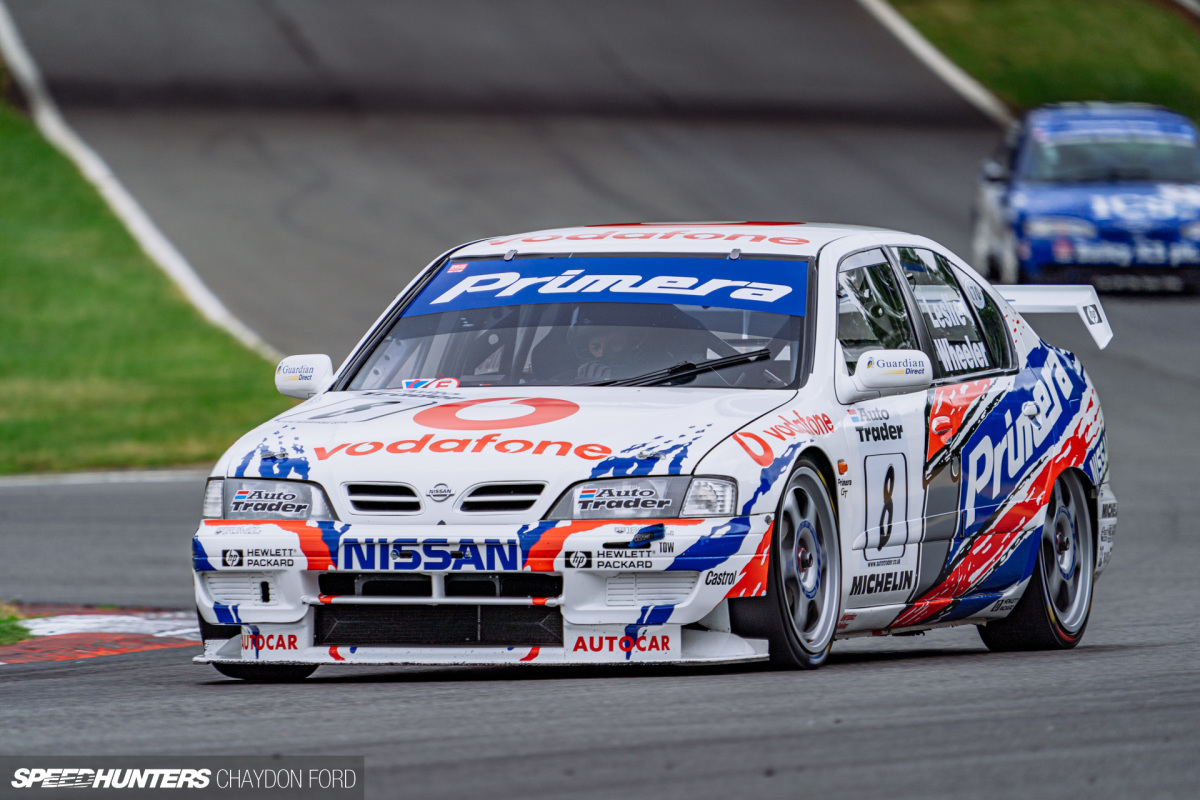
(796, 239)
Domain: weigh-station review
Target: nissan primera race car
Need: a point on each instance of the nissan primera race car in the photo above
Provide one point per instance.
(666, 444)
(1100, 193)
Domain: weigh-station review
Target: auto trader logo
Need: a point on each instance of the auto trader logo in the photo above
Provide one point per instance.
(593, 500)
(233, 558)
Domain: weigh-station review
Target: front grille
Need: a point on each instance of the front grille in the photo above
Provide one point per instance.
(474, 584)
(649, 588)
(503, 584)
(500, 497)
(383, 626)
(242, 588)
(374, 584)
(383, 498)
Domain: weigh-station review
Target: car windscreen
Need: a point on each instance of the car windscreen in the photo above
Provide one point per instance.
(588, 320)
(1112, 153)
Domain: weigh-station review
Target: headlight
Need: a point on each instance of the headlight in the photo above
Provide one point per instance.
(710, 497)
(1051, 227)
(252, 499)
(214, 498)
(648, 497)
(1191, 230)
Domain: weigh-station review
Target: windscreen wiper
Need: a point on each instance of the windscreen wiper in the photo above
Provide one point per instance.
(687, 368)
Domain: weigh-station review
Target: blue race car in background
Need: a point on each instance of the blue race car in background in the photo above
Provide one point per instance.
(1100, 193)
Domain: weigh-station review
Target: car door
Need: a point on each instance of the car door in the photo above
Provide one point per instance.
(884, 437)
(973, 358)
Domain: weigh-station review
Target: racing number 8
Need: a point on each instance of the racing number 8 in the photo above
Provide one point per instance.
(886, 495)
(885, 516)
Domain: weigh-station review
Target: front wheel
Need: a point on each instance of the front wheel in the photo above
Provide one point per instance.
(267, 673)
(798, 616)
(1053, 612)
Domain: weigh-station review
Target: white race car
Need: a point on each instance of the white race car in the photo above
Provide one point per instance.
(666, 443)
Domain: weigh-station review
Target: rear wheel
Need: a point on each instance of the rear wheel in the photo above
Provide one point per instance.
(1053, 612)
(267, 673)
(799, 614)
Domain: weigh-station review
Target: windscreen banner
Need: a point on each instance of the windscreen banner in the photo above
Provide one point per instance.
(777, 287)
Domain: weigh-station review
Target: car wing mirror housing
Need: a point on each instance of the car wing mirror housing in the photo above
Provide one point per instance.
(893, 371)
(994, 171)
(304, 376)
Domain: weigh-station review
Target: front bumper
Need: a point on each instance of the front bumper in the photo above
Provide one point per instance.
(550, 592)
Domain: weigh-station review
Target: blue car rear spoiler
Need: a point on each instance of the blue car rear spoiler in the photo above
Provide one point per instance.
(1062, 300)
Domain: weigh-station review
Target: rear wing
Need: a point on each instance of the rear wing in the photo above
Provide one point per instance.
(1062, 299)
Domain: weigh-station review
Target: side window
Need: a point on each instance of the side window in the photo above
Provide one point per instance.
(957, 341)
(991, 320)
(871, 312)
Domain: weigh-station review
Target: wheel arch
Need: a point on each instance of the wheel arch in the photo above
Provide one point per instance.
(828, 473)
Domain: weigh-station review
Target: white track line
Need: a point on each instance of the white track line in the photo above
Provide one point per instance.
(971, 90)
(94, 478)
(173, 624)
(54, 128)
(1191, 5)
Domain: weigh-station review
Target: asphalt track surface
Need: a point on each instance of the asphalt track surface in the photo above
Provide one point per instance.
(307, 188)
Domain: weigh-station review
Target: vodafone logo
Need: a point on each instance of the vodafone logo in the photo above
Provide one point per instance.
(495, 412)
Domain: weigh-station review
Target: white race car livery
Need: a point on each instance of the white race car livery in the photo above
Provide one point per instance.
(666, 443)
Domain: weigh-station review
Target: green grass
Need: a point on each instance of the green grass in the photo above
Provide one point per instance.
(1031, 52)
(11, 629)
(103, 363)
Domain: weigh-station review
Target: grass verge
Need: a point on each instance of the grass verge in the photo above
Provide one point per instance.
(103, 362)
(11, 629)
(1031, 52)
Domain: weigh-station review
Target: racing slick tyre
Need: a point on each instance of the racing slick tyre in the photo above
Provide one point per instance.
(798, 616)
(1053, 612)
(267, 673)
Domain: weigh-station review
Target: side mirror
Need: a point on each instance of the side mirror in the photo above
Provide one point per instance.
(303, 376)
(893, 370)
(994, 171)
